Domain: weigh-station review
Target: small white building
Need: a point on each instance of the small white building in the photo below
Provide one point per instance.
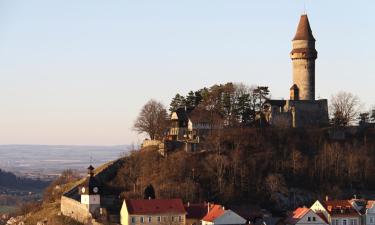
(90, 192)
(218, 215)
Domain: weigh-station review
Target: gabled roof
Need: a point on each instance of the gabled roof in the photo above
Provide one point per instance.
(304, 30)
(154, 206)
(297, 215)
(215, 212)
(196, 211)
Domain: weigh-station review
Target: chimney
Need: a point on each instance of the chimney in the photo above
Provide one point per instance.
(208, 207)
(327, 198)
(188, 204)
(149, 197)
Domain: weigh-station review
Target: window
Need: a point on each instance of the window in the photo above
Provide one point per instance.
(351, 222)
(133, 219)
(314, 218)
(142, 219)
(149, 219)
(180, 218)
(355, 222)
(372, 219)
(337, 222)
(309, 219)
(344, 222)
(172, 218)
(159, 219)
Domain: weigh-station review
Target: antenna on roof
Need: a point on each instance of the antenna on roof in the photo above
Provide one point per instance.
(304, 8)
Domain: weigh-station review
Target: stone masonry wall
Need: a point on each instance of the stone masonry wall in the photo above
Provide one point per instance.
(75, 210)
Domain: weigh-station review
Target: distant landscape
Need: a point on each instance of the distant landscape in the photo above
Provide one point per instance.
(48, 161)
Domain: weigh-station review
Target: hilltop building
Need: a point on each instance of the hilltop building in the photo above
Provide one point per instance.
(302, 109)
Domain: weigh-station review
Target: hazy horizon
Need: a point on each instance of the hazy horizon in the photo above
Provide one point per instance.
(78, 72)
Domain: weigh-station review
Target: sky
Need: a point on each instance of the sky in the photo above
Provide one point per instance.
(78, 72)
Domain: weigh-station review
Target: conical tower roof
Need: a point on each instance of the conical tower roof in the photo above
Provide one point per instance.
(304, 30)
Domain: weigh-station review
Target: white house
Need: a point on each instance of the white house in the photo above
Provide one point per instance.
(218, 215)
(306, 216)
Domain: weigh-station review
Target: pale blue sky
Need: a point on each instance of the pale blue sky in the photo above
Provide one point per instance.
(78, 72)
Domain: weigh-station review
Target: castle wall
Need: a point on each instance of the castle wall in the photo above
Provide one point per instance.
(309, 113)
(75, 210)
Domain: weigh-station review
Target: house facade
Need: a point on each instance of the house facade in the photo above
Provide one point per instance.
(153, 212)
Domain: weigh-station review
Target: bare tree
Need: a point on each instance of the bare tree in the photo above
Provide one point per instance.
(344, 108)
(152, 120)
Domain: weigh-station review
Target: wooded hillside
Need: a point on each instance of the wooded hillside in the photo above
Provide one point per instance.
(274, 168)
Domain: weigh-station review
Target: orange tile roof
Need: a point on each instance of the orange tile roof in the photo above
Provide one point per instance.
(370, 204)
(215, 212)
(297, 215)
(300, 212)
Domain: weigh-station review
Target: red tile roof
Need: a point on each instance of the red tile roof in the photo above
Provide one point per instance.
(300, 212)
(155, 206)
(304, 30)
(196, 211)
(297, 215)
(215, 212)
(340, 208)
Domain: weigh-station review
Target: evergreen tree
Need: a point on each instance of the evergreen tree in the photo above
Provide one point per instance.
(372, 117)
(177, 102)
(199, 96)
(364, 118)
(190, 100)
(149, 192)
(243, 109)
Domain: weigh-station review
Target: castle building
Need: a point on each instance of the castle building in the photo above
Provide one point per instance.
(302, 109)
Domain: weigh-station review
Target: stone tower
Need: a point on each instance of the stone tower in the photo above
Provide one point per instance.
(303, 57)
